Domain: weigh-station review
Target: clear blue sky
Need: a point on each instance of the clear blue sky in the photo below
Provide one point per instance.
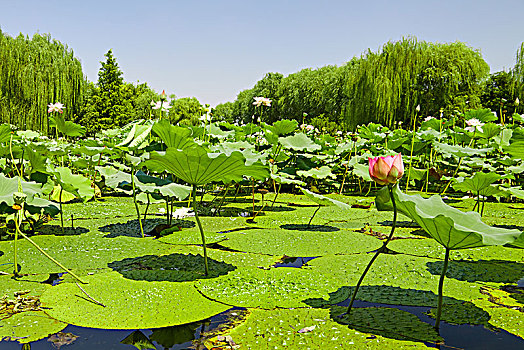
(214, 49)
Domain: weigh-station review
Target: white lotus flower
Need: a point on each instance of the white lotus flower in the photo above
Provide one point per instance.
(262, 101)
(474, 124)
(162, 105)
(55, 107)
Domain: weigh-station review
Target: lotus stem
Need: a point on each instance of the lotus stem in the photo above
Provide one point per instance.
(276, 195)
(201, 230)
(222, 200)
(309, 223)
(380, 250)
(136, 204)
(411, 152)
(147, 206)
(440, 289)
(15, 271)
(61, 211)
(455, 173)
(18, 231)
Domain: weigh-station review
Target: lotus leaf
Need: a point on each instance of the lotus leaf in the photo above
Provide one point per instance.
(67, 128)
(76, 184)
(276, 329)
(30, 326)
(33, 204)
(299, 142)
(129, 304)
(173, 136)
(478, 183)
(323, 200)
(450, 227)
(266, 289)
(317, 173)
(300, 243)
(197, 167)
(459, 151)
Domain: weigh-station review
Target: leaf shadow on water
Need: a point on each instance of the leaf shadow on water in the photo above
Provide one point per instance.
(275, 209)
(405, 224)
(57, 230)
(170, 336)
(131, 228)
(386, 318)
(498, 271)
(305, 227)
(173, 268)
(510, 227)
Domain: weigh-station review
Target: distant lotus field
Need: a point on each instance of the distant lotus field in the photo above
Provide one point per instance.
(258, 236)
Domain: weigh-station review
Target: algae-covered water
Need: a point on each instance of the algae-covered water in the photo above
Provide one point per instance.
(275, 283)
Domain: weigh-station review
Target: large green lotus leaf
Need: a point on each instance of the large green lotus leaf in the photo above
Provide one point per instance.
(283, 178)
(477, 182)
(361, 171)
(266, 289)
(36, 159)
(247, 150)
(33, 204)
(317, 173)
(450, 227)
(63, 197)
(393, 279)
(320, 329)
(300, 243)
(516, 149)
(197, 167)
(283, 127)
(173, 136)
(323, 200)
(77, 184)
(30, 326)
(113, 177)
(490, 130)
(214, 131)
(85, 252)
(432, 249)
(299, 142)
(67, 128)
(137, 136)
(5, 132)
(483, 114)
(459, 151)
(129, 304)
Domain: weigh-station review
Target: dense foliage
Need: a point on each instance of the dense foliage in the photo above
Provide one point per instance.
(112, 102)
(33, 73)
(383, 86)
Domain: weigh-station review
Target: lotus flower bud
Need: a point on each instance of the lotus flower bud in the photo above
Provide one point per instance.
(386, 170)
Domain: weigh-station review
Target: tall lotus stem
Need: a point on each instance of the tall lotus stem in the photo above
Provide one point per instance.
(440, 289)
(309, 223)
(201, 230)
(17, 229)
(380, 250)
(61, 211)
(136, 204)
(411, 151)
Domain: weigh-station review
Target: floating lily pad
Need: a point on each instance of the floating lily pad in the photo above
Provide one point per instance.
(509, 319)
(172, 267)
(267, 289)
(300, 243)
(77, 252)
(26, 327)
(463, 313)
(279, 329)
(192, 237)
(399, 270)
(129, 304)
(432, 249)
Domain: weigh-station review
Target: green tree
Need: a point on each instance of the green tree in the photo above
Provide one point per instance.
(518, 75)
(186, 110)
(33, 73)
(112, 102)
(499, 93)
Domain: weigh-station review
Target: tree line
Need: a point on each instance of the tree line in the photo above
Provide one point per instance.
(384, 87)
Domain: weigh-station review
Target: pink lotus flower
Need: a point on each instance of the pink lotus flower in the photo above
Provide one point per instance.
(55, 107)
(386, 170)
(474, 124)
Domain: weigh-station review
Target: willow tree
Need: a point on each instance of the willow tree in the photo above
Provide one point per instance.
(33, 73)
(386, 86)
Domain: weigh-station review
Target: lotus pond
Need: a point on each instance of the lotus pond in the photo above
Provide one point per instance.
(265, 298)
(217, 236)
